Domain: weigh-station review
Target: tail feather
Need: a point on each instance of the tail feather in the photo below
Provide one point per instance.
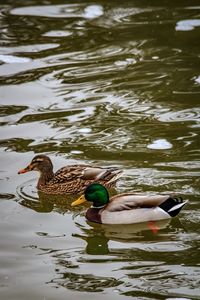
(116, 174)
(109, 174)
(173, 205)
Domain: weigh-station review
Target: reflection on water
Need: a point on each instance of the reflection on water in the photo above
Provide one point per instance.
(131, 263)
(97, 239)
(116, 84)
(31, 198)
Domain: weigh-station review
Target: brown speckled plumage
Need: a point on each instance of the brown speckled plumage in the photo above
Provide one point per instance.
(70, 179)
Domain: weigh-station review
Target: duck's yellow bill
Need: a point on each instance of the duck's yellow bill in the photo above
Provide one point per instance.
(79, 201)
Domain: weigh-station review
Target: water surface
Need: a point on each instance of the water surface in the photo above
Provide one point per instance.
(113, 83)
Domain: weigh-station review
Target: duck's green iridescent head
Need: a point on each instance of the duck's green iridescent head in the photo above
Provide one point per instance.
(95, 193)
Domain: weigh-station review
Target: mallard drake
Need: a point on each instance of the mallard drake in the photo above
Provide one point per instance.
(127, 208)
(70, 179)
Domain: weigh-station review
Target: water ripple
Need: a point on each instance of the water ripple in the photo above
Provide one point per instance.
(27, 190)
(191, 114)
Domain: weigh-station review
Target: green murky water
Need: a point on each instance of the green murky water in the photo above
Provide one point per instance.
(110, 82)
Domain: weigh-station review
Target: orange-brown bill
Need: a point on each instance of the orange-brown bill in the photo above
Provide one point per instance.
(27, 169)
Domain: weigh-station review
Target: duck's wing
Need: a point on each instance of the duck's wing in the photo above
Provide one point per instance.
(86, 172)
(95, 173)
(128, 201)
(69, 173)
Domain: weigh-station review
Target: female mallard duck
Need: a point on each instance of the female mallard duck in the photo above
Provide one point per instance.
(128, 208)
(69, 179)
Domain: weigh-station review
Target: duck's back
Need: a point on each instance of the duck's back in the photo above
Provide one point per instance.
(75, 178)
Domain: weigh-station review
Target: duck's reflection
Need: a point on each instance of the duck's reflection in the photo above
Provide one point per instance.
(96, 242)
(47, 203)
(97, 236)
(37, 205)
(72, 264)
(38, 201)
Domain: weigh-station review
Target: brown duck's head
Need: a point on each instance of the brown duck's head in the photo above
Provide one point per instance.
(41, 163)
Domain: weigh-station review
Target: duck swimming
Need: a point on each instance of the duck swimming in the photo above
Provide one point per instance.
(70, 179)
(128, 208)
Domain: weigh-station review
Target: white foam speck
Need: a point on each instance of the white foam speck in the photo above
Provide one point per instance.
(197, 79)
(76, 152)
(58, 33)
(187, 25)
(85, 130)
(160, 144)
(93, 11)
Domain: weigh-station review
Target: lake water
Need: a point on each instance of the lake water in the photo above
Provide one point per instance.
(115, 83)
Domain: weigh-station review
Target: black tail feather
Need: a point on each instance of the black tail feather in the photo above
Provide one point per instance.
(173, 205)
